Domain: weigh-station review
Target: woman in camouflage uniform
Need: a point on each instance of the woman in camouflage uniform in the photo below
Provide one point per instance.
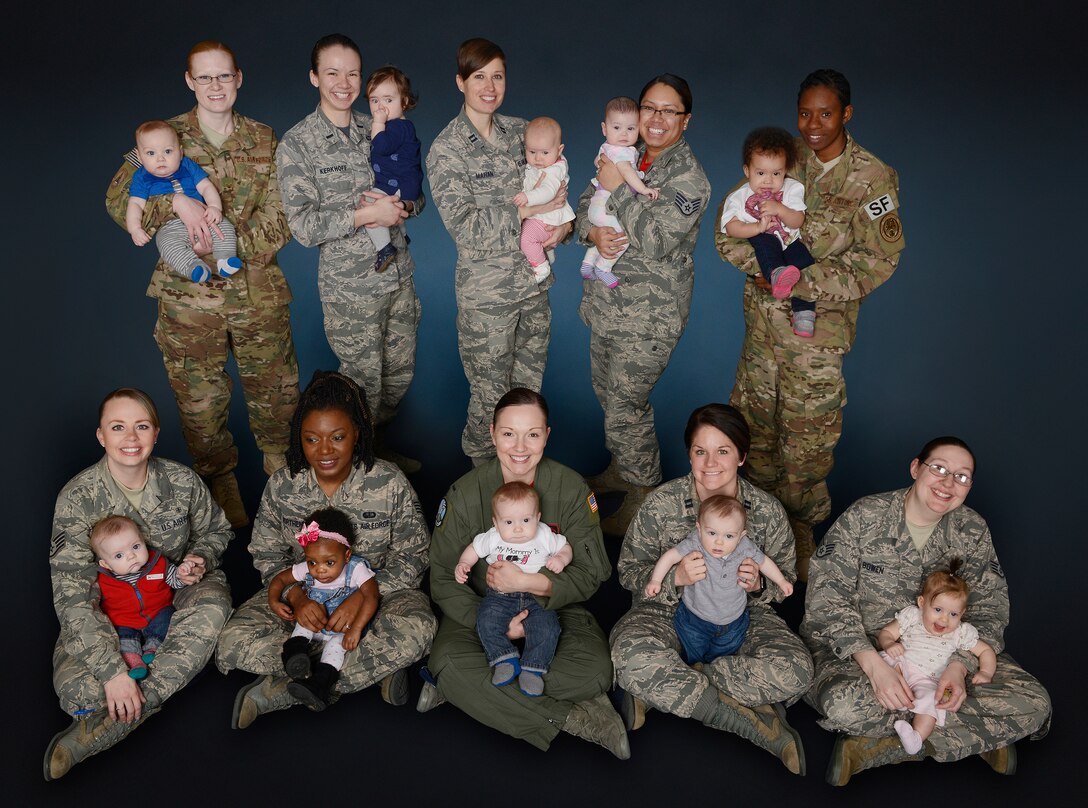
(172, 506)
(331, 464)
(475, 168)
(871, 563)
(743, 693)
(635, 326)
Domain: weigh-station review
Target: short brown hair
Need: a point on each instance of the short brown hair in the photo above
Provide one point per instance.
(722, 506)
(475, 53)
(110, 526)
(946, 581)
(621, 104)
(147, 127)
(515, 492)
(402, 82)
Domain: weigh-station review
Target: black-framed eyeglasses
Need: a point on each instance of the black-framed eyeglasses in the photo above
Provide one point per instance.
(222, 78)
(940, 471)
(649, 110)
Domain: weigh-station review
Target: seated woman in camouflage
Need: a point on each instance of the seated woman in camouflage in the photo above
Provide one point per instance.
(872, 562)
(180, 519)
(331, 463)
(743, 693)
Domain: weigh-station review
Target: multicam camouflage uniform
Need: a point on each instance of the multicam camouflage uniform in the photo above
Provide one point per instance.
(389, 533)
(580, 669)
(635, 327)
(503, 314)
(371, 317)
(789, 388)
(867, 568)
(200, 324)
(772, 665)
(179, 517)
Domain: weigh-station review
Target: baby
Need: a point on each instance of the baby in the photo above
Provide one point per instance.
(920, 641)
(329, 574)
(137, 591)
(545, 171)
(620, 130)
(768, 211)
(394, 149)
(518, 537)
(712, 618)
(165, 170)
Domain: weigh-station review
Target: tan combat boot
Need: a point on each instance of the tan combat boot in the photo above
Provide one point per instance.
(429, 698)
(608, 480)
(765, 726)
(395, 688)
(265, 695)
(224, 488)
(1001, 760)
(83, 738)
(855, 753)
(632, 711)
(596, 721)
(273, 462)
(617, 523)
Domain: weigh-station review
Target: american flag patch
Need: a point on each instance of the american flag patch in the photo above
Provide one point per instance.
(592, 500)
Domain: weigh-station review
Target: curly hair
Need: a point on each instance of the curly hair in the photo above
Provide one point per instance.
(769, 140)
(333, 391)
(408, 98)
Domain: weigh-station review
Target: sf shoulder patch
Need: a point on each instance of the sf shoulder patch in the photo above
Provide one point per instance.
(592, 500)
(441, 514)
(880, 205)
(825, 549)
(687, 206)
(57, 542)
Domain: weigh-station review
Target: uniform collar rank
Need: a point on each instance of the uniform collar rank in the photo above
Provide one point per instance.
(500, 127)
(473, 138)
(747, 504)
(689, 503)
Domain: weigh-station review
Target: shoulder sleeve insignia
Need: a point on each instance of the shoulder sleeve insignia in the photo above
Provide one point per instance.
(57, 542)
(592, 500)
(891, 229)
(441, 514)
(825, 549)
(995, 568)
(687, 206)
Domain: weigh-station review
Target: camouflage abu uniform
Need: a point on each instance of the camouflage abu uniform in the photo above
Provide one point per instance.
(503, 314)
(635, 327)
(389, 533)
(580, 669)
(867, 568)
(200, 324)
(179, 517)
(772, 665)
(371, 317)
(789, 388)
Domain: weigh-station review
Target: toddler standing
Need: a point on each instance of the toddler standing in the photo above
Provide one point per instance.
(545, 171)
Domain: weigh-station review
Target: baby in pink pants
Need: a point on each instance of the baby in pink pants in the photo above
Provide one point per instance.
(545, 171)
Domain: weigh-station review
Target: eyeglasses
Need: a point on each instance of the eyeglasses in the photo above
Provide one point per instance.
(222, 78)
(668, 113)
(940, 471)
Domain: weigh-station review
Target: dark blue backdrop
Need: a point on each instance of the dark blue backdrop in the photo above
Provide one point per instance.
(974, 335)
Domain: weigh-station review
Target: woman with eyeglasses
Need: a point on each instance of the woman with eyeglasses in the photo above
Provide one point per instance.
(200, 324)
(635, 326)
(873, 561)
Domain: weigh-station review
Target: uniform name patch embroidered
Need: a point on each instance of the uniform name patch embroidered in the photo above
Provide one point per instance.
(825, 549)
(687, 206)
(891, 229)
(441, 514)
(177, 521)
(879, 206)
(877, 568)
(592, 500)
(484, 175)
(57, 542)
(332, 169)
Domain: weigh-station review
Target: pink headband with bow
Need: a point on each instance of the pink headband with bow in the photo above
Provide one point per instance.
(312, 532)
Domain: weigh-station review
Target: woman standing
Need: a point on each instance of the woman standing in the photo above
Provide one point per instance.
(790, 388)
(179, 518)
(871, 564)
(330, 464)
(201, 324)
(371, 316)
(580, 672)
(635, 326)
(475, 168)
(744, 693)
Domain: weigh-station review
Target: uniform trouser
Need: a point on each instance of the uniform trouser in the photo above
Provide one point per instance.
(195, 345)
(399, 634)
(580, 670)
(1012, 706)
(501, 347)
(772, 665)
(375, 340)
(201, 611)
(624, 373)
(792, 401)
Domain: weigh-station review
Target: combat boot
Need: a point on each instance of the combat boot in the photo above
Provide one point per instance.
(395, 688)
(632, 711)
(765, 726)
(617, 523)
(224, 488)
(317, 691)
(83, 738)
(1002, 760)
(409, 465)
(608, 481)
(855, 753)
(595, 720)
(429, 697)
(273, 462)
(296, 658)
(266, 694)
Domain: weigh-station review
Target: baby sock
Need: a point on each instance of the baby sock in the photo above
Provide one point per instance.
(136, 667)
(505, 672)
(228, 266)
(912, 741)
(587, 270)
(531, 683)
(200, 273)
(607, 278)
(541, 271)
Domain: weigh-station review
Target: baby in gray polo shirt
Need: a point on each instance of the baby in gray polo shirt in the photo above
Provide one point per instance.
(712, 617)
